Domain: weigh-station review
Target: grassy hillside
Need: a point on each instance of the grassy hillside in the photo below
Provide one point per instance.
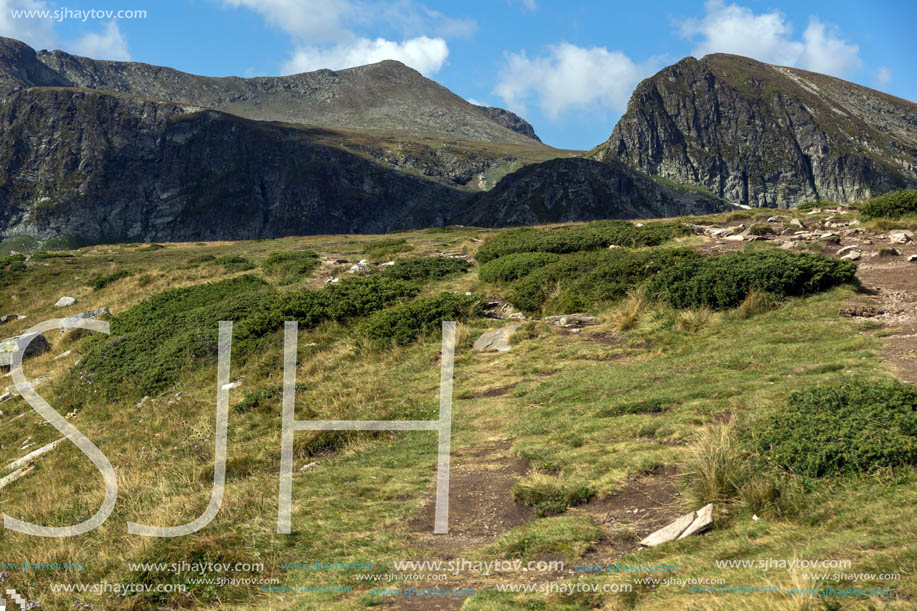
(572, 446)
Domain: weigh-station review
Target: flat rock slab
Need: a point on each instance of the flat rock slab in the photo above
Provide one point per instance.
(63, 302)
(38, 345)
(685, 526)
(496, 340)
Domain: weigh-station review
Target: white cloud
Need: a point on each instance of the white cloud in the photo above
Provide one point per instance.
(109, 44)
(426, 55)
(825, 52)
(38, 33)
(570, 77)
(731, 28)
(323, 32)
(317, 20)
(883, 77)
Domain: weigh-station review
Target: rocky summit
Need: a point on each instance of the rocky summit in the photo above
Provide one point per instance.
(763, 135)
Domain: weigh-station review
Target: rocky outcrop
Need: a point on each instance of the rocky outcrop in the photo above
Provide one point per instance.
(765, 135)
(509, 120)
(106, 167)
(387, 95)
(579, 190)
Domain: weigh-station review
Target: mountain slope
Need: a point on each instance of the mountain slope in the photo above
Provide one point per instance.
(579, 190)
(386, 95)
(110, 167)
(766, 135)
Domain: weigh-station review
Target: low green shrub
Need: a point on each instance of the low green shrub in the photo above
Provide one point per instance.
(725, 281)
(234, 263)
(849, 427)
(514, 266)
(593, 236)
(11, 267)
(426, 268)
(152, 341)
(581, 281)
(290, 267)
(760, 229)
(549, 494)
(892, 205)
(404, 323)
(100, 281)
(341, 302)
(150, 247)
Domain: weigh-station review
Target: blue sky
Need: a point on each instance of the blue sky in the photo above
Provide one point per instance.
(567, 67)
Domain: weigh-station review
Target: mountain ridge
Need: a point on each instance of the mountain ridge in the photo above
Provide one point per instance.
(386, 95)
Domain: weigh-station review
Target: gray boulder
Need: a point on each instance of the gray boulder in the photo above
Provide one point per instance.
(63, 302)
(38, 345)
(496, 340)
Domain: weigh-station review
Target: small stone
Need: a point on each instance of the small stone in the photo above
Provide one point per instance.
(735, 238)
(797, 223)
(64, 354)
(852, 256)
(387, 264)
(772, 219)
(64, 302)
(231, 385)
(900, 237)
(912, 259)
(846, 249)
(307, 467)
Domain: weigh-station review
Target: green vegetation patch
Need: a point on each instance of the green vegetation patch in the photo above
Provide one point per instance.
(514, 266)
(290, 267)
(892, 205)
(427, 268)
(152, 342)
(403, 324)
(100, 281)
(725, 281)
(847, 427)
(581, 281)
(600, 234)
(549, 494)
(234, 263)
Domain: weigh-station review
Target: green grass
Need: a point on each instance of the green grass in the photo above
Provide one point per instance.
(588, 411)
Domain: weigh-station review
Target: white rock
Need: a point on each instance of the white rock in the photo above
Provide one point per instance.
(231, 385)
(772, 219)
(852, 255)
(846, 249)
(735, 238)
(63, 302)
(912, 259)
(797, 223)
(900, 237)
(685, 526)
